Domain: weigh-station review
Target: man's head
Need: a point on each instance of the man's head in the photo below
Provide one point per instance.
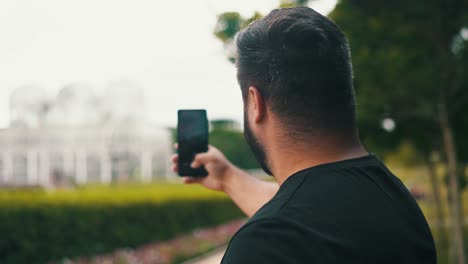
(295, 64)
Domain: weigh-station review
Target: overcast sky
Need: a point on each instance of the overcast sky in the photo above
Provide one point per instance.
(167, 47)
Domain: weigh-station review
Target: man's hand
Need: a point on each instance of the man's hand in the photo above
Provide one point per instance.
(218, 167)
(249, 193)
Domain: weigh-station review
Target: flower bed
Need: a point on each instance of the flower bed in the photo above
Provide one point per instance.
(171, 251)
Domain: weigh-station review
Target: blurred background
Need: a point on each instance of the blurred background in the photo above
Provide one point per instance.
(89, 93)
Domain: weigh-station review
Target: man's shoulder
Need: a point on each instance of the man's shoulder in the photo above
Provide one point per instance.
(262, 241)
(273, 209)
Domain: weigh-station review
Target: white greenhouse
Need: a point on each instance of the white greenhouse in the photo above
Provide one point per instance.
(77, 137)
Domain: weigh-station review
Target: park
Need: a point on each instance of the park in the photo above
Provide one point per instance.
(85, 170)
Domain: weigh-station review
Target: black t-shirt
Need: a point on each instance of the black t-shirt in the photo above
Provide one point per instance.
(351, 211)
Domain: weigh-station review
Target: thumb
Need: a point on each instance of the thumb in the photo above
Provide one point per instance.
(201, 159)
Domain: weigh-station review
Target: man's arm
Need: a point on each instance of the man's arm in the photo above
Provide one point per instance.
(248, 192)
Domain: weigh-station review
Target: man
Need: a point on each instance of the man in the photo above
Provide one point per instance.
(333, 202)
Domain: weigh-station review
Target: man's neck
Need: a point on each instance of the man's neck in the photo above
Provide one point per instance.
(289, 162)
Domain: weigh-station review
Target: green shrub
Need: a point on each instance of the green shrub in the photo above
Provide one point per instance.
(40, 226)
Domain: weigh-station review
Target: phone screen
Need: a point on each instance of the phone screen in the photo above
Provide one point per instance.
(192, 137)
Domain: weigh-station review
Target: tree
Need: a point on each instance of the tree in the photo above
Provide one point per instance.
(407, 68)
(229, 23)
(231, 142)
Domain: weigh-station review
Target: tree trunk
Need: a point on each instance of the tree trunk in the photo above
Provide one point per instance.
(454, 189)
(440, 218)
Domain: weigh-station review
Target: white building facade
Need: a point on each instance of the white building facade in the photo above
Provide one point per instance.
(41, 149)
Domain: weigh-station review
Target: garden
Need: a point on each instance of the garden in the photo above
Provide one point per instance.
(46, 226)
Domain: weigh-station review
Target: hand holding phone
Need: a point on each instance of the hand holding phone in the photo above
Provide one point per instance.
(192, 137)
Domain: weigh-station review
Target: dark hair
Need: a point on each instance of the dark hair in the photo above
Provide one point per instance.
(300, 62)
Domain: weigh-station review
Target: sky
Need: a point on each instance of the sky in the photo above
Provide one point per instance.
(166, 47)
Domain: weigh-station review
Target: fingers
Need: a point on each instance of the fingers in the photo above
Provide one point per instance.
(175, 168)
(201, 159)
(174, 158)
(190, 180)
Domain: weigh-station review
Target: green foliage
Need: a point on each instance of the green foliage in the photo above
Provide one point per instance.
(228, 25)
(232, 143)
(173, 132)
(460, 122)
(391, 62)
(443, 250)
(405, 155)
(247, 21)
(293, 3)
(40, 226)
(223, 124)
(404, 67)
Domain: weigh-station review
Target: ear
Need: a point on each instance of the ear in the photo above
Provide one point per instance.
(257, 102)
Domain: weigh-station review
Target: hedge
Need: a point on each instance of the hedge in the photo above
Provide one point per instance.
(41, 227)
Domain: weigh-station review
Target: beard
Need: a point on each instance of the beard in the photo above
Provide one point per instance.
(257, 149)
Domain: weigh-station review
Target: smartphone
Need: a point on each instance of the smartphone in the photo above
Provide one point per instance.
(192, 137)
